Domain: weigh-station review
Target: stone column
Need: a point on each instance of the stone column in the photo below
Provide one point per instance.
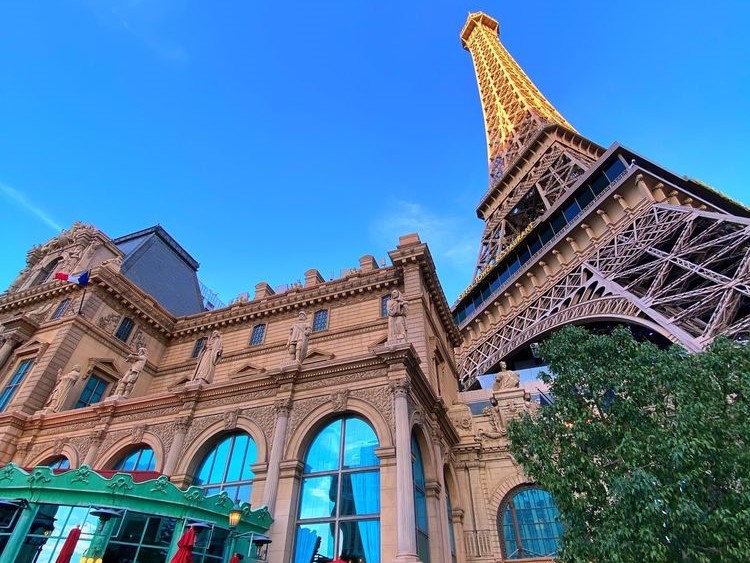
(173, 455)
(10, 341)
(96, 437)
(406, 540)
(442, 499)
(282, 408)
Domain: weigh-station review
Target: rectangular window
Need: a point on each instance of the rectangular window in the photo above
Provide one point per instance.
(384, 305)
(320, 320)
(92, 393)
(61, 309)
(256, 338)
(125, 328)
(15, 382)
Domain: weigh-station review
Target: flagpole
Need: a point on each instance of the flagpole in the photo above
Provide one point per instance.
(80, 306)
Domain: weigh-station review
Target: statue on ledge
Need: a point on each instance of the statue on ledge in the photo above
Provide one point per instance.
(126, 384)
(208, 358)
(63, 385)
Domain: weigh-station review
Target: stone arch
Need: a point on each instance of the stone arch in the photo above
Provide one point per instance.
(202, 444)
(308, 428)
(499, 494)
(452, 488)
(49, 454)
(421, 433)
(126, 444)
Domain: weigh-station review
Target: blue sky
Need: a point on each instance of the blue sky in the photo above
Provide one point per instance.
(269, 138)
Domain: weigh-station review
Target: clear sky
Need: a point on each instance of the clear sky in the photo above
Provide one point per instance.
(273, 137)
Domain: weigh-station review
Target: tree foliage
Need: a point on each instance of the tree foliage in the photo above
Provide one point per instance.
(646, 451)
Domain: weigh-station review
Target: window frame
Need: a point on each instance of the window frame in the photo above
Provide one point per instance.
(198, 346)
(260, 328)
(140, 449)
(213, 452)
(90, 378)
(384, 305)
(22, 368)
(325, 313)
(339, 518)
(61, 309)
(508, 502)
(127, 332)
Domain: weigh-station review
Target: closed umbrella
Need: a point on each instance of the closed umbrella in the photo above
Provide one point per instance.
(185, 547)
(69, 546)
(235, 558)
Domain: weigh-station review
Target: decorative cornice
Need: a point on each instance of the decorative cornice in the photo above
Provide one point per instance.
(290, 301)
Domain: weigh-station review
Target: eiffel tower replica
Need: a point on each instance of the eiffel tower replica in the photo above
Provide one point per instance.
(579, 234)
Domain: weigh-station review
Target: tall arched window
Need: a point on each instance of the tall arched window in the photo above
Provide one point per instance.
(140, 459)
(227, 467)
(451, 532)
(339, 507)
(528, 525)
(420, 502)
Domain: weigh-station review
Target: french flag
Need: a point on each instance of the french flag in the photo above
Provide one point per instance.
(81, 279)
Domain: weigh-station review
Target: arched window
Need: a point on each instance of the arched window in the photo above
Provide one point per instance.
(451, 532)
(528, 525)
(60, 462)
(227, 467)
(339, 507)
(420, 502)
(140, 459)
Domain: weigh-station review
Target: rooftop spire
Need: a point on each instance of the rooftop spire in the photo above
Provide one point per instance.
(513, 107)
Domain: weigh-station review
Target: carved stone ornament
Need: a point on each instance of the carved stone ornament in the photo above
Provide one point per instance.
(282, 407)
(339, 399)
(400, 387)
(230, 419)
(108, 323)
(497, 425)
(57, 448)
(136, 434)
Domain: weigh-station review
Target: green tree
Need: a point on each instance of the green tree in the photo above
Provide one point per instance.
(645, 450)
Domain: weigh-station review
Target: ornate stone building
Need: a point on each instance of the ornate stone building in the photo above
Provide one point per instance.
(345, 418)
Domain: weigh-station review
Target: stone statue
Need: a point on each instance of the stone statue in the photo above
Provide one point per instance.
(208, 358)
(398, 308)
(506, 378)
(298, 335)
(126, 384)
(62, 388)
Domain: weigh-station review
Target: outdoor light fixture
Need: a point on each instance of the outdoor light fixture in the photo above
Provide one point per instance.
(235, 515)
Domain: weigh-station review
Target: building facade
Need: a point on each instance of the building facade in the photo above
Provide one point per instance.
(360, 418)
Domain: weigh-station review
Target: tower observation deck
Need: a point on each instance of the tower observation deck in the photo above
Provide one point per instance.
(578, 234)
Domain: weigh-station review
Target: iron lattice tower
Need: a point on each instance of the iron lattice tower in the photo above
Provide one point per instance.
(577, 234)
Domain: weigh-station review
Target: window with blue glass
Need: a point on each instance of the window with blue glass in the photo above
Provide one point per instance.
(140, 459)
(15, 382)
(451, 532)
(339, 506)
(61, 309)
(198, 346)
(227, 467)
(420, 502)
(320, 320)
(259, 332)
(528, 524)
(384, 305)
(126, 327)
(60, 462)
(92, 393)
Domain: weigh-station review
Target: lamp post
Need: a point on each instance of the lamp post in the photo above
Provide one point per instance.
(234, 516)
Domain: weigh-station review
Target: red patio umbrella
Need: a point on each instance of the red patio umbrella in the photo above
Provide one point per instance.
(69, 546)
(185, 547)
(235, 558)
